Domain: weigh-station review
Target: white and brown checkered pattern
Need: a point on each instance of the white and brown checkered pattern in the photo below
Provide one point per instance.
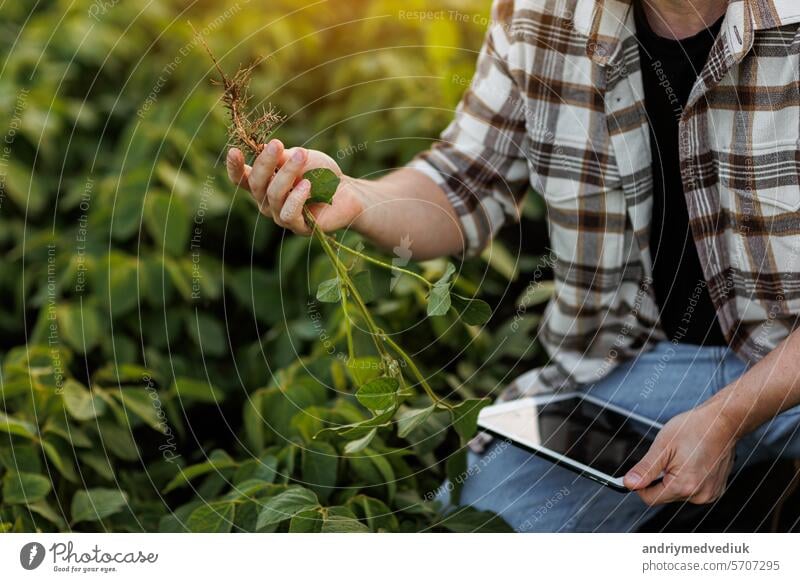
(557, 104)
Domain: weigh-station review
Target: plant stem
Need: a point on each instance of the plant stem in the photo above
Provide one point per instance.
(341, 271)
(378, 262)
(347, 328)
(375, 331)
(235, 96)
(422, 381)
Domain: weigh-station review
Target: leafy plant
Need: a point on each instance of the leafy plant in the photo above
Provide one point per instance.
(382, 395)
(166, 364)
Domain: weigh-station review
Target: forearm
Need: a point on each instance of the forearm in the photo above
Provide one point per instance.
(763, 392)
(408, 208)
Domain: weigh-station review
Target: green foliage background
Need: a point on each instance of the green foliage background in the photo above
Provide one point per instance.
(164, 365)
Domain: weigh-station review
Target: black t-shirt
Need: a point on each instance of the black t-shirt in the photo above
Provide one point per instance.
(669, 71)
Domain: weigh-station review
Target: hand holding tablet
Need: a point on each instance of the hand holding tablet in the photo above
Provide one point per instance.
(598, 440)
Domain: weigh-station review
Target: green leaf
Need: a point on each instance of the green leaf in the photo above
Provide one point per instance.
(116, 283)
(221, 463)
(375, 512)
(180, 278)
(95, 504)
(9, 388)
(385, 469)
(335, 522)
(319, 467)
(444, 280)
(456, 470)
(23, 187)
(118, 440)
(465, 417)
(253, 420)
(501, 260)
(46, 511)
(471, 311)
(140, 402)
(258, 291)
(100, 463)
(286, 505)
(17, 427)
(155, 284)
(411, 418)
(280, 404)
(439, 300)
(167, 220)
(329, 291)
(264, 469)
(249, 489)
(22, 458)
(359, 445)
(324, 183)
(122, 374)
(363, 283)
(212, 518)
(81, 403)
(308, 521)
(57, 457)
(207, 333)
(74, 435)
(378, 394)
(79, 325)
(469, 520)
(359, 429)
(175, 521)
(190, 390)
(536, 294)
(24, 487)
(364, 369)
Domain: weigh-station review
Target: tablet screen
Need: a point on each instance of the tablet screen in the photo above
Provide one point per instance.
(588, 433)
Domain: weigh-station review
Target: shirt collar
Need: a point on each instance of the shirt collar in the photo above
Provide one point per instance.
(605, 24)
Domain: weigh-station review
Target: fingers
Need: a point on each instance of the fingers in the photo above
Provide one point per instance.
(238, 171)
(656, 494)
(279, 194)
(263, 173)
(279, 187)
(648, 469)
(680, 488)
(291, 215)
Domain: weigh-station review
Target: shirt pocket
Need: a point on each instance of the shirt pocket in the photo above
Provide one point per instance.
(760, 200)
(764, 178)
(586, 213)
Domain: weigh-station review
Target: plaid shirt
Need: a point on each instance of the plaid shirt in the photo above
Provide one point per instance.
(557, 104)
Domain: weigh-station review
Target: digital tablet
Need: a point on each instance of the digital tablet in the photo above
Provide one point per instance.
(596, 439)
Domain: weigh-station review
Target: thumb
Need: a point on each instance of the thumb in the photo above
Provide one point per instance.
(647, 470)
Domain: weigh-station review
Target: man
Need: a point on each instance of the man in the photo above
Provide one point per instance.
(663, 135)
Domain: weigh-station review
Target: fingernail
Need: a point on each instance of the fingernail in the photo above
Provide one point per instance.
(272, 148)
(299, 156)
(304, 185)
(633, 478)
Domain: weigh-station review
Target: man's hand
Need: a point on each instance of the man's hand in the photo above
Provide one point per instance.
(403, 205)
(276, 182)
(694, 452)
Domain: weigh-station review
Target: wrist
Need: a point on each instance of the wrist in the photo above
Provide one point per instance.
(725, 419)
(359, 191)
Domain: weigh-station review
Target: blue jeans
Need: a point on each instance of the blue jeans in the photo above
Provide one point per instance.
(533, 494)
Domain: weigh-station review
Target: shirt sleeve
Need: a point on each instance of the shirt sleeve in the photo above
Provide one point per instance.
(480, 160)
